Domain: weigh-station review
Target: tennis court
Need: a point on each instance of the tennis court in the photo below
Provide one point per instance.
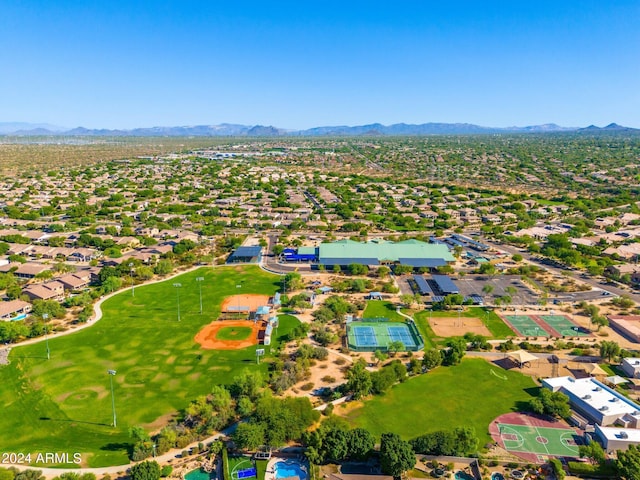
(526, 326)
(557, 442)
(564, 326)
(371, 336)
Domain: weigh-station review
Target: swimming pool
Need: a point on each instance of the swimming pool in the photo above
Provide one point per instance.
(463, 476)
(198, 474)
(290, 469)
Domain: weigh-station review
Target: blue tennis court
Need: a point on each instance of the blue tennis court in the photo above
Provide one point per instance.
(365, 336)
(369, 336)
(402, 334)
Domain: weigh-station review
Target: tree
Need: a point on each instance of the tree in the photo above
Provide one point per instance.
(609, 349)
(149, 470)
(396, 455)
(593, 452)
(516, 257)
(249, 436)
(432, 358)
(357, 269)
(555, 404)
(487, 269)
(395, 346)
(293, 281)
(358, 380)
(487, 289)
(457, 348)
(360, 443)
(628, 463)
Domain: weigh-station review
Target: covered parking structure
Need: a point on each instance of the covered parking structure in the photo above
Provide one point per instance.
(251, 254)
(445, 285)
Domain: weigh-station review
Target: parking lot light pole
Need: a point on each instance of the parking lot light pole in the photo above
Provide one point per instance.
(177, 286)
(45, 316)
(133, 287)
(112, 374)
(199, 280)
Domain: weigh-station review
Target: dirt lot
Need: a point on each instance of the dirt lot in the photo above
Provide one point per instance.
(253, 301)
(452, 326)
(207, 336)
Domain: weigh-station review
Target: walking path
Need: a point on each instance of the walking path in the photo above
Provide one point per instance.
(98, 310)
(121, 469)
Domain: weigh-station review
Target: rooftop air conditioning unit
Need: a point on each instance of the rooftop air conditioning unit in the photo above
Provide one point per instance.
(597, 389)
(624, 435)
(603, 409)
(586, 397)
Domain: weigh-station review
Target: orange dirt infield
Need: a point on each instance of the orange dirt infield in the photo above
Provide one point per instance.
(253, 301)
(207, 336)
(451, 326)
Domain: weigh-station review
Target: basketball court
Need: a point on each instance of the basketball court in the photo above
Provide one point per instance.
(535, 438)
(525, 326)
(564, 326)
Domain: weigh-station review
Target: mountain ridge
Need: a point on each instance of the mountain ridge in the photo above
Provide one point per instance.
(233, 130)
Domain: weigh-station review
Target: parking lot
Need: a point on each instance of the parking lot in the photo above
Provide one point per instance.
(501, 285)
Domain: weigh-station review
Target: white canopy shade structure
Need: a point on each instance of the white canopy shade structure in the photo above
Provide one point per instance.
(594, 369)
(616, 380)
(521, 357)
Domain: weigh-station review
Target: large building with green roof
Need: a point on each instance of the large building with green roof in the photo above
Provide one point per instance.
(383, 252)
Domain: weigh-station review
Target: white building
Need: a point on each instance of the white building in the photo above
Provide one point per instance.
(613, 439)
(631, 366)
(596, 402)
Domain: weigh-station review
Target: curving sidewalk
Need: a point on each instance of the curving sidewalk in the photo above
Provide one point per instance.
(97, 310)
(122, 469)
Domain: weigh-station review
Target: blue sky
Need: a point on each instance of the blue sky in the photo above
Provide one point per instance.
(124, 64)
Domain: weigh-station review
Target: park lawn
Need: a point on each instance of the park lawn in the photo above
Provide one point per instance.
(64, 404)
(233, 333)
(382, 308)
(468, 394)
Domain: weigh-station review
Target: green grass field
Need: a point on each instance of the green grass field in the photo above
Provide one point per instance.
(233, 333)
(381, 308)
(446, 398)
(64, 404)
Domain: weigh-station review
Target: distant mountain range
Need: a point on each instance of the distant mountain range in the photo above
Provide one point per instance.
(233, 130)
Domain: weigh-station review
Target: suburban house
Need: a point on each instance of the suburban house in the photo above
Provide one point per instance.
(53, 290)
(75, 281)
(14, 309)
(24, 270)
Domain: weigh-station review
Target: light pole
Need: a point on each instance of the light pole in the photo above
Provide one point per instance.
(199, 280)
(178, 285)
(112, 373)
(45, 316)
(133, 286)
(238, 287)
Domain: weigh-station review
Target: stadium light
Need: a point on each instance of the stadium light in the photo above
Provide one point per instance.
(45, 316)
(199, 280)
(133, 286)
(112, 373)
(178, 285)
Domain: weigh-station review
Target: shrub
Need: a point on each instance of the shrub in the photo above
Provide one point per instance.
(307, 386)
